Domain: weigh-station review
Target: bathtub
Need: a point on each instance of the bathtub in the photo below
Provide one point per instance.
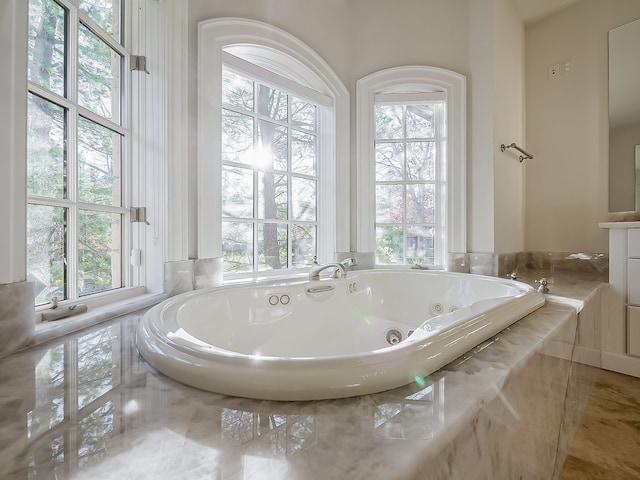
(331, 338)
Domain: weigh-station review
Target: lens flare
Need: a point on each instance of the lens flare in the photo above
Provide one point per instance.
(420, 381)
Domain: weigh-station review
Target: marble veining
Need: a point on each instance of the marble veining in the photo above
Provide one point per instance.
(87, 406)
(16, 316)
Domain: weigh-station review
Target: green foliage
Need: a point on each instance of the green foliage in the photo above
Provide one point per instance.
(97, 154)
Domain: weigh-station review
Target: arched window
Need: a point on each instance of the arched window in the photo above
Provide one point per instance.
(411, 165)
(273, 149)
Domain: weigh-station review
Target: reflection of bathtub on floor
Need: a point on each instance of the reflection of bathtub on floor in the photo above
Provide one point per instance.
(305, 340)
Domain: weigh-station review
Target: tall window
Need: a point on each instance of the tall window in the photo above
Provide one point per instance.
(75, 142)
(410, 137)
(408, 173)
(273, 150)
(269, 175)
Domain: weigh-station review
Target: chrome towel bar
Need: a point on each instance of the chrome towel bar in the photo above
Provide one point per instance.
(524, 156)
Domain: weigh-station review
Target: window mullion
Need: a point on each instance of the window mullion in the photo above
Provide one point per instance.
(256, 144)
(72, 210)
(71, 248)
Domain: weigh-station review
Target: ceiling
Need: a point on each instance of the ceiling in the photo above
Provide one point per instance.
(534, 10)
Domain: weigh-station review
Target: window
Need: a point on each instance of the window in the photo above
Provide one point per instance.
(408, 179)
(269, 175)
(411, 165)
(76, 138)
(273, 133)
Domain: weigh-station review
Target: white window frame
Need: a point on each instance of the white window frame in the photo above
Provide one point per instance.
(71, 104)
(284, 55)
(413, 82)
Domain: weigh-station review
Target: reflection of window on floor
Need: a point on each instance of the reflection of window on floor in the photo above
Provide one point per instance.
(395, 420)
(77, 394)
(283, 435)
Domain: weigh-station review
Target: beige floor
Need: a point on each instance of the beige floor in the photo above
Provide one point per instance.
(607, 445)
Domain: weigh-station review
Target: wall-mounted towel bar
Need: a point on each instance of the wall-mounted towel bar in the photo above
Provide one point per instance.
(524, 156)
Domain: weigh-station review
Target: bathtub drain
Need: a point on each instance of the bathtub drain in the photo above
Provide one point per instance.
(393, 336)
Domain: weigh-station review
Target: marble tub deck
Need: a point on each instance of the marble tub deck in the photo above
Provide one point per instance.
(87, 406)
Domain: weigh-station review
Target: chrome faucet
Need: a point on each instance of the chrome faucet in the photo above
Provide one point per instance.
(543, 288)
(347, 263)
(316, 268)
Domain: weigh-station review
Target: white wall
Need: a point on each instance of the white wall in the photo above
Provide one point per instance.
(480, 211)
(508, 120)
(567, 126)
(495, 179)
(13, 126)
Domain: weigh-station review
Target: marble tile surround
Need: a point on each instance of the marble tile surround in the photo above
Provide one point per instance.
(87, 406)
(16, 316)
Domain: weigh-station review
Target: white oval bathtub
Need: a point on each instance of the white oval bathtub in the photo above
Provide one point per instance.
(302, 340)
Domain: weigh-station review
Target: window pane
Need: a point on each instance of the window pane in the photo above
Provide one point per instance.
(272, 150)
(272, 246)
(237, 192)
(389, 244)
(303, 245)
(99, 164)
(98, 75)
(46, 251)
(106, 13)
(237, 90)
(237, 246)
(303, 198)
(272, 196)
(421, 161)
(420, 245)
(420, 121)
(99, 251)
(389, 161)
(389, 203)
(303, 153)
(303, 114)
(47, 38)
(389, 121)
(272, 103)
(237, 137)
(45, 148)
(420, 203)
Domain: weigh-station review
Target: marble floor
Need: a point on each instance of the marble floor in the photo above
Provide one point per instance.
(608, 442)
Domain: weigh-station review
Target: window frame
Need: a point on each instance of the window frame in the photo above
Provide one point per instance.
(71, 104)
(323, 103)
(405, 100)
(281, 54)
(414, 82)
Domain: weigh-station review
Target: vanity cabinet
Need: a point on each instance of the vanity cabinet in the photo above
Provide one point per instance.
(633, 296)
(621, 320)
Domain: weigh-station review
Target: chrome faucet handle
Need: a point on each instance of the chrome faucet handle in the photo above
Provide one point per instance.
(543, 288)
(350, 262)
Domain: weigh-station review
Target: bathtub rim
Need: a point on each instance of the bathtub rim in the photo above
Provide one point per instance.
(532, 302)
(331, 377)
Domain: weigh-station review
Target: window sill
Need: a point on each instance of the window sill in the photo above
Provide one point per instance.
(49, 330)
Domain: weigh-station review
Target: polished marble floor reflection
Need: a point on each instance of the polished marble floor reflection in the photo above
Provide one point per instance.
(607, 445)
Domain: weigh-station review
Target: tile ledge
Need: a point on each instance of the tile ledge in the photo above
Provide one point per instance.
(51, 330)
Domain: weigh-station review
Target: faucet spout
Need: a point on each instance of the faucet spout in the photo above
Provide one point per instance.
(314, 273)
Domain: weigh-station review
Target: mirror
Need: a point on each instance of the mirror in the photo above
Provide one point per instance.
(624, 118)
